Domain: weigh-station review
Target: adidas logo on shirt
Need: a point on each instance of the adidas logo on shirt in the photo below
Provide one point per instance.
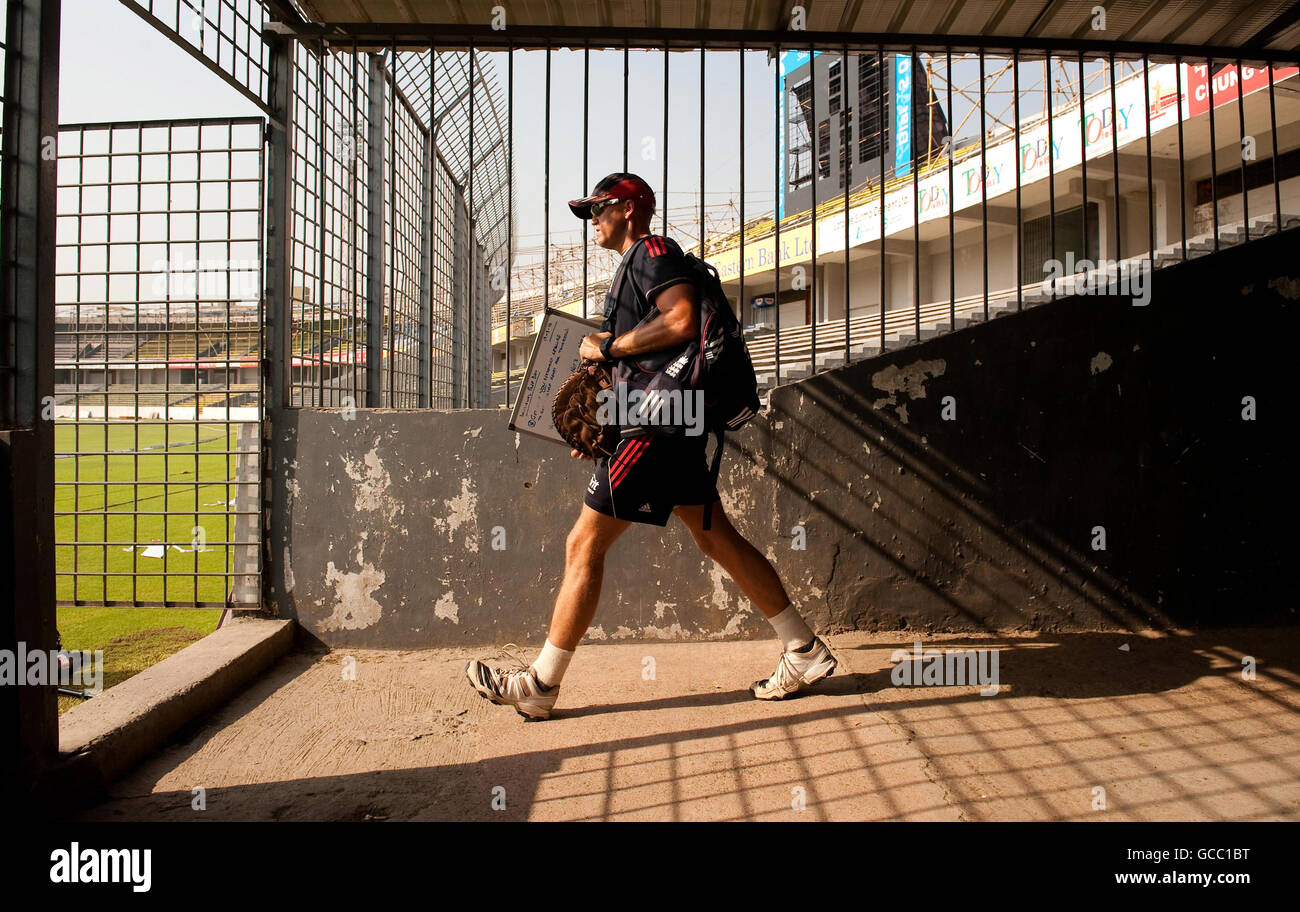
(645, 508)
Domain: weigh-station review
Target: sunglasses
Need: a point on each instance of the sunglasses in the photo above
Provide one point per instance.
(598, 208)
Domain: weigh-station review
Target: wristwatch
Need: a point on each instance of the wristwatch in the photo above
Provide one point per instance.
(605, 344)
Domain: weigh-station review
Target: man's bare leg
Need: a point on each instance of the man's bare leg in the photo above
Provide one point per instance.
(750, 570)
(532, 692)
(584, 568)
(806, 659)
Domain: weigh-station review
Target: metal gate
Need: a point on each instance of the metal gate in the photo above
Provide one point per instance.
(158, 348)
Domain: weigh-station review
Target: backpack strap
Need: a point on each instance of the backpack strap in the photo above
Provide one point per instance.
(607, 325)
(714, 466)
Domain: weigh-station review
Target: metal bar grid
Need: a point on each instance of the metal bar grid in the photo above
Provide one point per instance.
(223, 35)
(7, 360)
(330, 246)
(404, 184)
(987, 236)
(158, 341)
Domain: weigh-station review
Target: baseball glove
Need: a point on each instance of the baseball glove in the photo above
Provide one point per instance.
(575, 408)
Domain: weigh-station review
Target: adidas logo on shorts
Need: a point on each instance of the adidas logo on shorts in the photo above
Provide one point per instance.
(591, 485)
(645, 508)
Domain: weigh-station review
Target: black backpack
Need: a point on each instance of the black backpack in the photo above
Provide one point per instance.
(716, 361)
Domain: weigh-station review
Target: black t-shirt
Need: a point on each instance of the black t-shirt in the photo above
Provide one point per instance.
(653, 263)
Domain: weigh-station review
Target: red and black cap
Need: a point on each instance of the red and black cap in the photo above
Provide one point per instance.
(620, 186)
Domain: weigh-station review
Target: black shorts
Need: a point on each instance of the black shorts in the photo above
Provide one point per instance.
(650, 475)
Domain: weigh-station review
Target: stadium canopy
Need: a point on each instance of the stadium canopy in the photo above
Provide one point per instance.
(1254, 29)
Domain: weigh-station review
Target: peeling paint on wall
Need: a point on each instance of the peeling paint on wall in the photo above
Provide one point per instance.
(445, 609)
(1286, 286)
(373, 489)
(354, 604)
(288, 571)
(907, 380)
(462, 510)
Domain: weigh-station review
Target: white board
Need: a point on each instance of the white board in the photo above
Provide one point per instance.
(554, 358)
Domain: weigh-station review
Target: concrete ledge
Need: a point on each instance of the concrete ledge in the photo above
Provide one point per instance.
(105, 737)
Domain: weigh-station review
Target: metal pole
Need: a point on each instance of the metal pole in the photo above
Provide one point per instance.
(1020, 246)
(779, 175)
(984, 196)
(846, 146)
(952, 204)
(740, 303)
(816, 176)
(1051, 163)
(1114, 158)
(1214, 159)
(880, 149)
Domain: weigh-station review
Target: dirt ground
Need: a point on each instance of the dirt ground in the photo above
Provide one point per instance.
(1089, 726)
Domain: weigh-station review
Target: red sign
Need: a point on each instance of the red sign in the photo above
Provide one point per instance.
(1252, 79)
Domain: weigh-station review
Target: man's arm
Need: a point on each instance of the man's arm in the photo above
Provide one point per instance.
(678, 322)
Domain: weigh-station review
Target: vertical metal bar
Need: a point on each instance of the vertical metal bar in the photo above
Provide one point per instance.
(1214, 159)
(1182, 158)
(424, 390)
(984, 195)
(355, 154)
(279, 221)
(1051, 160)
(277, 358)
(1114, 158)
(29, 715)
(586, 123)
(1245, 190)
(1272, 122)
(663, 201)
(916, 202)
(779, 175)
(701, 150)
(1020, 246)
(510, 196)
(816, 176)
(1083, 154)
(391, 258)
(474, 387)
(740, 303)
(625, 63)
(320, 253)
(846, 143)
(880, 150)
(1151, 190)
(546, 184)
(952, 204)
(375, 229)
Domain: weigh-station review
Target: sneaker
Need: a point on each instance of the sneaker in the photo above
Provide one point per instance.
(796, 670)
(518, 688)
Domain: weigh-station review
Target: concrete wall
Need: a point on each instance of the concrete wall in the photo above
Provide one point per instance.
(1072, 417)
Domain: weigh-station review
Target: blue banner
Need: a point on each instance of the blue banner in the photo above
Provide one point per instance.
(902, 113)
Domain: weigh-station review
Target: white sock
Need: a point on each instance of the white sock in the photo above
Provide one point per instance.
(791, 629)
(550, 665)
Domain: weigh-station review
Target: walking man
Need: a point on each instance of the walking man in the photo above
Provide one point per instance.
(648, 477)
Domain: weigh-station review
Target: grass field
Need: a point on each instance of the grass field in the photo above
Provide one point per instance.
(165, 479)
(132, 638)
(183, 480)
